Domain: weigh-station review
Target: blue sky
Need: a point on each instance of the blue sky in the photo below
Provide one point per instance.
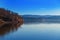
(32, 7)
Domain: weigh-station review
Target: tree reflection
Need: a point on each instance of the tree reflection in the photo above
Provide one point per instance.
(7, 28)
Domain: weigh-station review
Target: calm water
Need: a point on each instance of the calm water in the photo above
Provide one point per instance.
(40, 31)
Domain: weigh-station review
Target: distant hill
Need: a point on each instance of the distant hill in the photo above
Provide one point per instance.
(41, 18)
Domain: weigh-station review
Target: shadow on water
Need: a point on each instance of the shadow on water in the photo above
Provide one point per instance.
(7, 28)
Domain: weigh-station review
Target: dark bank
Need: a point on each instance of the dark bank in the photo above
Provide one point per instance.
(9, 17)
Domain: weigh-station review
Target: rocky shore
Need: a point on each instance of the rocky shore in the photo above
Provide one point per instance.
(10, 17)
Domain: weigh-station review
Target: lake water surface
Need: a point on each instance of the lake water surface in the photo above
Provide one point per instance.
(40, 31)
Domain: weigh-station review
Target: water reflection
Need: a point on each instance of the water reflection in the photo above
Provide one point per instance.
(31, 32)
(7, 28)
